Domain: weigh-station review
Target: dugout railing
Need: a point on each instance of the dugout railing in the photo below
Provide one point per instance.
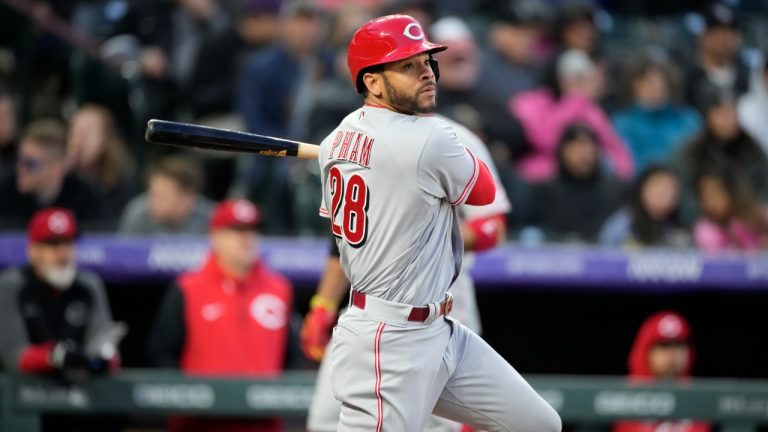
(734, 405)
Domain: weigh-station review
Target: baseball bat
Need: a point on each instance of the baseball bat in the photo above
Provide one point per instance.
(204, 137)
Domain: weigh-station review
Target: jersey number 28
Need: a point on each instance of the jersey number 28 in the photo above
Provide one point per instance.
(351, 200)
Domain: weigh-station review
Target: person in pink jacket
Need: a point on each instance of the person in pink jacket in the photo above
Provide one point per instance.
(544, 113)
(731, 219)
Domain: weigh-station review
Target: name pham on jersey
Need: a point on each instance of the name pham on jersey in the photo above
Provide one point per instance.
(352, 147)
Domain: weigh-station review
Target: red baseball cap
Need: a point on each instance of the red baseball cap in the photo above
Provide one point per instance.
(53, 223)
(235, 213)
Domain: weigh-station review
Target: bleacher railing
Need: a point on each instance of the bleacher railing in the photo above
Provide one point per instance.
(734, 405)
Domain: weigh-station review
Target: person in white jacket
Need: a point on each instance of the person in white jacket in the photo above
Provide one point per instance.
(753, 106)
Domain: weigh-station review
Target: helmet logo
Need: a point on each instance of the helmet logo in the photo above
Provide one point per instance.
(408, 32)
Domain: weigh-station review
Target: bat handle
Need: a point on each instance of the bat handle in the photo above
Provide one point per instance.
(308, 151)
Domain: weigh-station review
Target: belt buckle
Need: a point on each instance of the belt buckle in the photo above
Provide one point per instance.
(441, 309)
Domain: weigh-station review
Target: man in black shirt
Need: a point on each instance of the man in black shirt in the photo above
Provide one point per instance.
(717, 62)
(55, 318)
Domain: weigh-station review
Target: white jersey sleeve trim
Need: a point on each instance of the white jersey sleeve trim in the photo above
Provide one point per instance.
(471, 184)
(323, 212)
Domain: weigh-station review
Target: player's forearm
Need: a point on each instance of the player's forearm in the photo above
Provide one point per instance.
(484, 233)
(333, 284)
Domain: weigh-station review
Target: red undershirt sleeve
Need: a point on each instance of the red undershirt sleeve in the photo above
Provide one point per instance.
(484, 191)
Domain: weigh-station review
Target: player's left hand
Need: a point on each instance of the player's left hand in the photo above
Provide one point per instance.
(316, 331)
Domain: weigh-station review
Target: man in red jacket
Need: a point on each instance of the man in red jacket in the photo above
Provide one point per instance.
(230, 317)
(662, 350)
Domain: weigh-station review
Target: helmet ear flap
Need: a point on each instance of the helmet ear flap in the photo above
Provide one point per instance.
(435, 68)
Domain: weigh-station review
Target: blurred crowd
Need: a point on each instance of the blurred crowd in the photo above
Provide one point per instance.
(641, 124)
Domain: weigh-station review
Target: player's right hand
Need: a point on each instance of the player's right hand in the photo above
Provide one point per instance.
(316, 331)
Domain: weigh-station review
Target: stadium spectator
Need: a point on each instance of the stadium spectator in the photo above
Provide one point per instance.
(212, 87)
(511, 65)
(722, 143)
(194, 21)
(98, 154)
(42, 179)
(663, 350)
(270, 77)
(651, 215)
(322, 105)
(716, 62)
(573, 206)
(460, 73)
(172, 204)
(213, 84)
(8, 125)
(230, 317)
(575, 27)
(753, 106)
(55, 317)
(653, 123)
(731, 219)
(268, 87)
(545, 115)
(468, 93)
(147, 30)
(169, 36)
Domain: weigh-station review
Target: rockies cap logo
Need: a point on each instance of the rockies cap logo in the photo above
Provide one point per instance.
(408, 32)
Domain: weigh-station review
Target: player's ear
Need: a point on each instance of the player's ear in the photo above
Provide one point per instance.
(374, 83)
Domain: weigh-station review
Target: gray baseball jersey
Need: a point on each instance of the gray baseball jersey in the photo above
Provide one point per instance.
(390, 186)
(390, 183)
(324, 411)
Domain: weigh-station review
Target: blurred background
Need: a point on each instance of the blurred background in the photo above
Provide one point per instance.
(631, 139)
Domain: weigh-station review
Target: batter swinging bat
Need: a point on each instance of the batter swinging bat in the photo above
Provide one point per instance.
(204, 137)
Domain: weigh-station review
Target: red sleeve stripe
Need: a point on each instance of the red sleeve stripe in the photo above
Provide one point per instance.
(323, 211)
(377, 382)
(471, 183)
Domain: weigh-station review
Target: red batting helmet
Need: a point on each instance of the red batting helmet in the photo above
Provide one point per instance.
(387, 39)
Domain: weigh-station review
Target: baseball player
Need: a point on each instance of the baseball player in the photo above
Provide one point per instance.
(482, 228)
(391, 179)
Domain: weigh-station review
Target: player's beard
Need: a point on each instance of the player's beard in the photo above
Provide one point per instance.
(407, 104)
